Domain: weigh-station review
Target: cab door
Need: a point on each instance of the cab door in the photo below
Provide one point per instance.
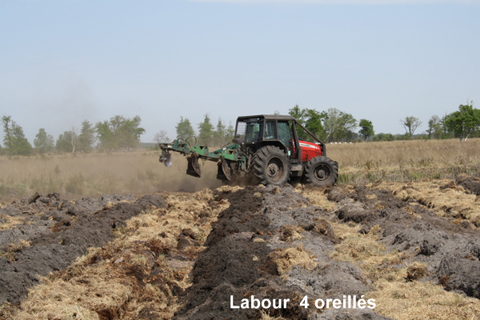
(286, 136)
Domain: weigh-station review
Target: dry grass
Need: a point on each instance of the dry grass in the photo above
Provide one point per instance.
(8, 222)
(422, 300)
(97, 173)
(10, 250)
(140, 172)
(441, 196)
(405, 160)
(285, 259)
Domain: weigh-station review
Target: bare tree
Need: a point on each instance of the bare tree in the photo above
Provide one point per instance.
(161, 137)
(73, 138)
(410, 124)
(7, 140)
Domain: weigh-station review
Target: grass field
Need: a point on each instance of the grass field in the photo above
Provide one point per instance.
(77, 175)
(405, 160)
(138, 172)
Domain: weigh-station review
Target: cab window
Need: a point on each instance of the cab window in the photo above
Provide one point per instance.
(249, 131)
(270, 130)
(285, 134)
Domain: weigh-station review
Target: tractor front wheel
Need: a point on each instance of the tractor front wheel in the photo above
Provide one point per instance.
(271, 166)
(321, 171)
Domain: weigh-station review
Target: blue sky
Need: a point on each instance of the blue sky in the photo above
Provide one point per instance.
(62, 62)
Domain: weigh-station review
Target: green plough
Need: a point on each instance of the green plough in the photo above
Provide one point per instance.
(226, 157)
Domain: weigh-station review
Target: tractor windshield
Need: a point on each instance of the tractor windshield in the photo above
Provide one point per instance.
(249, 131)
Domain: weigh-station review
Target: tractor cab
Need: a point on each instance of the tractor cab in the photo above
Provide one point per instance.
(256, 131)
(281, 131)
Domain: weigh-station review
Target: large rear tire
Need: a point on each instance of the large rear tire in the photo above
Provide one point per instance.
(270, 166)
(321, 171)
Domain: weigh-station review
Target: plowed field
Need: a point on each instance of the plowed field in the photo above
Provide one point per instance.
(382, 250)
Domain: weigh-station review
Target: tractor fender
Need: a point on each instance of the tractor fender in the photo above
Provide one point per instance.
(276, 143)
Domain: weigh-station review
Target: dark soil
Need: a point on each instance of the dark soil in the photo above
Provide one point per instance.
(452, 251)
(240, 261)
(472, 184)
(58, 231)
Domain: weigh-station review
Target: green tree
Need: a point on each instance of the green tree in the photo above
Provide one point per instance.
(119, 132)
(105, 136)
(229, 134)
(63, 143)
(298, 114)
(313, 123)
(311, 119)
(410, 124)
(384, 137)
(86, 138)
(129, 132)
(434, 130)
(220, 134)
(67, 142)
(330, 125)
(184, 129)
(43, 142)
(338, 125)
(21, 145)
(366, 130)
(463, 122)
(205, 128)
(14, 139)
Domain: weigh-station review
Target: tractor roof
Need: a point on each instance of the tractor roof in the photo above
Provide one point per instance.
(267, 117)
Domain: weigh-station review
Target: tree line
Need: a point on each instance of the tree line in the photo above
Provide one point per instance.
(331, 125)
(334, 125)
(462, 124)
(208, 134)
(114, 134)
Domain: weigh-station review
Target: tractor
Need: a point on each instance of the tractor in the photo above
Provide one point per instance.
(266, 149)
